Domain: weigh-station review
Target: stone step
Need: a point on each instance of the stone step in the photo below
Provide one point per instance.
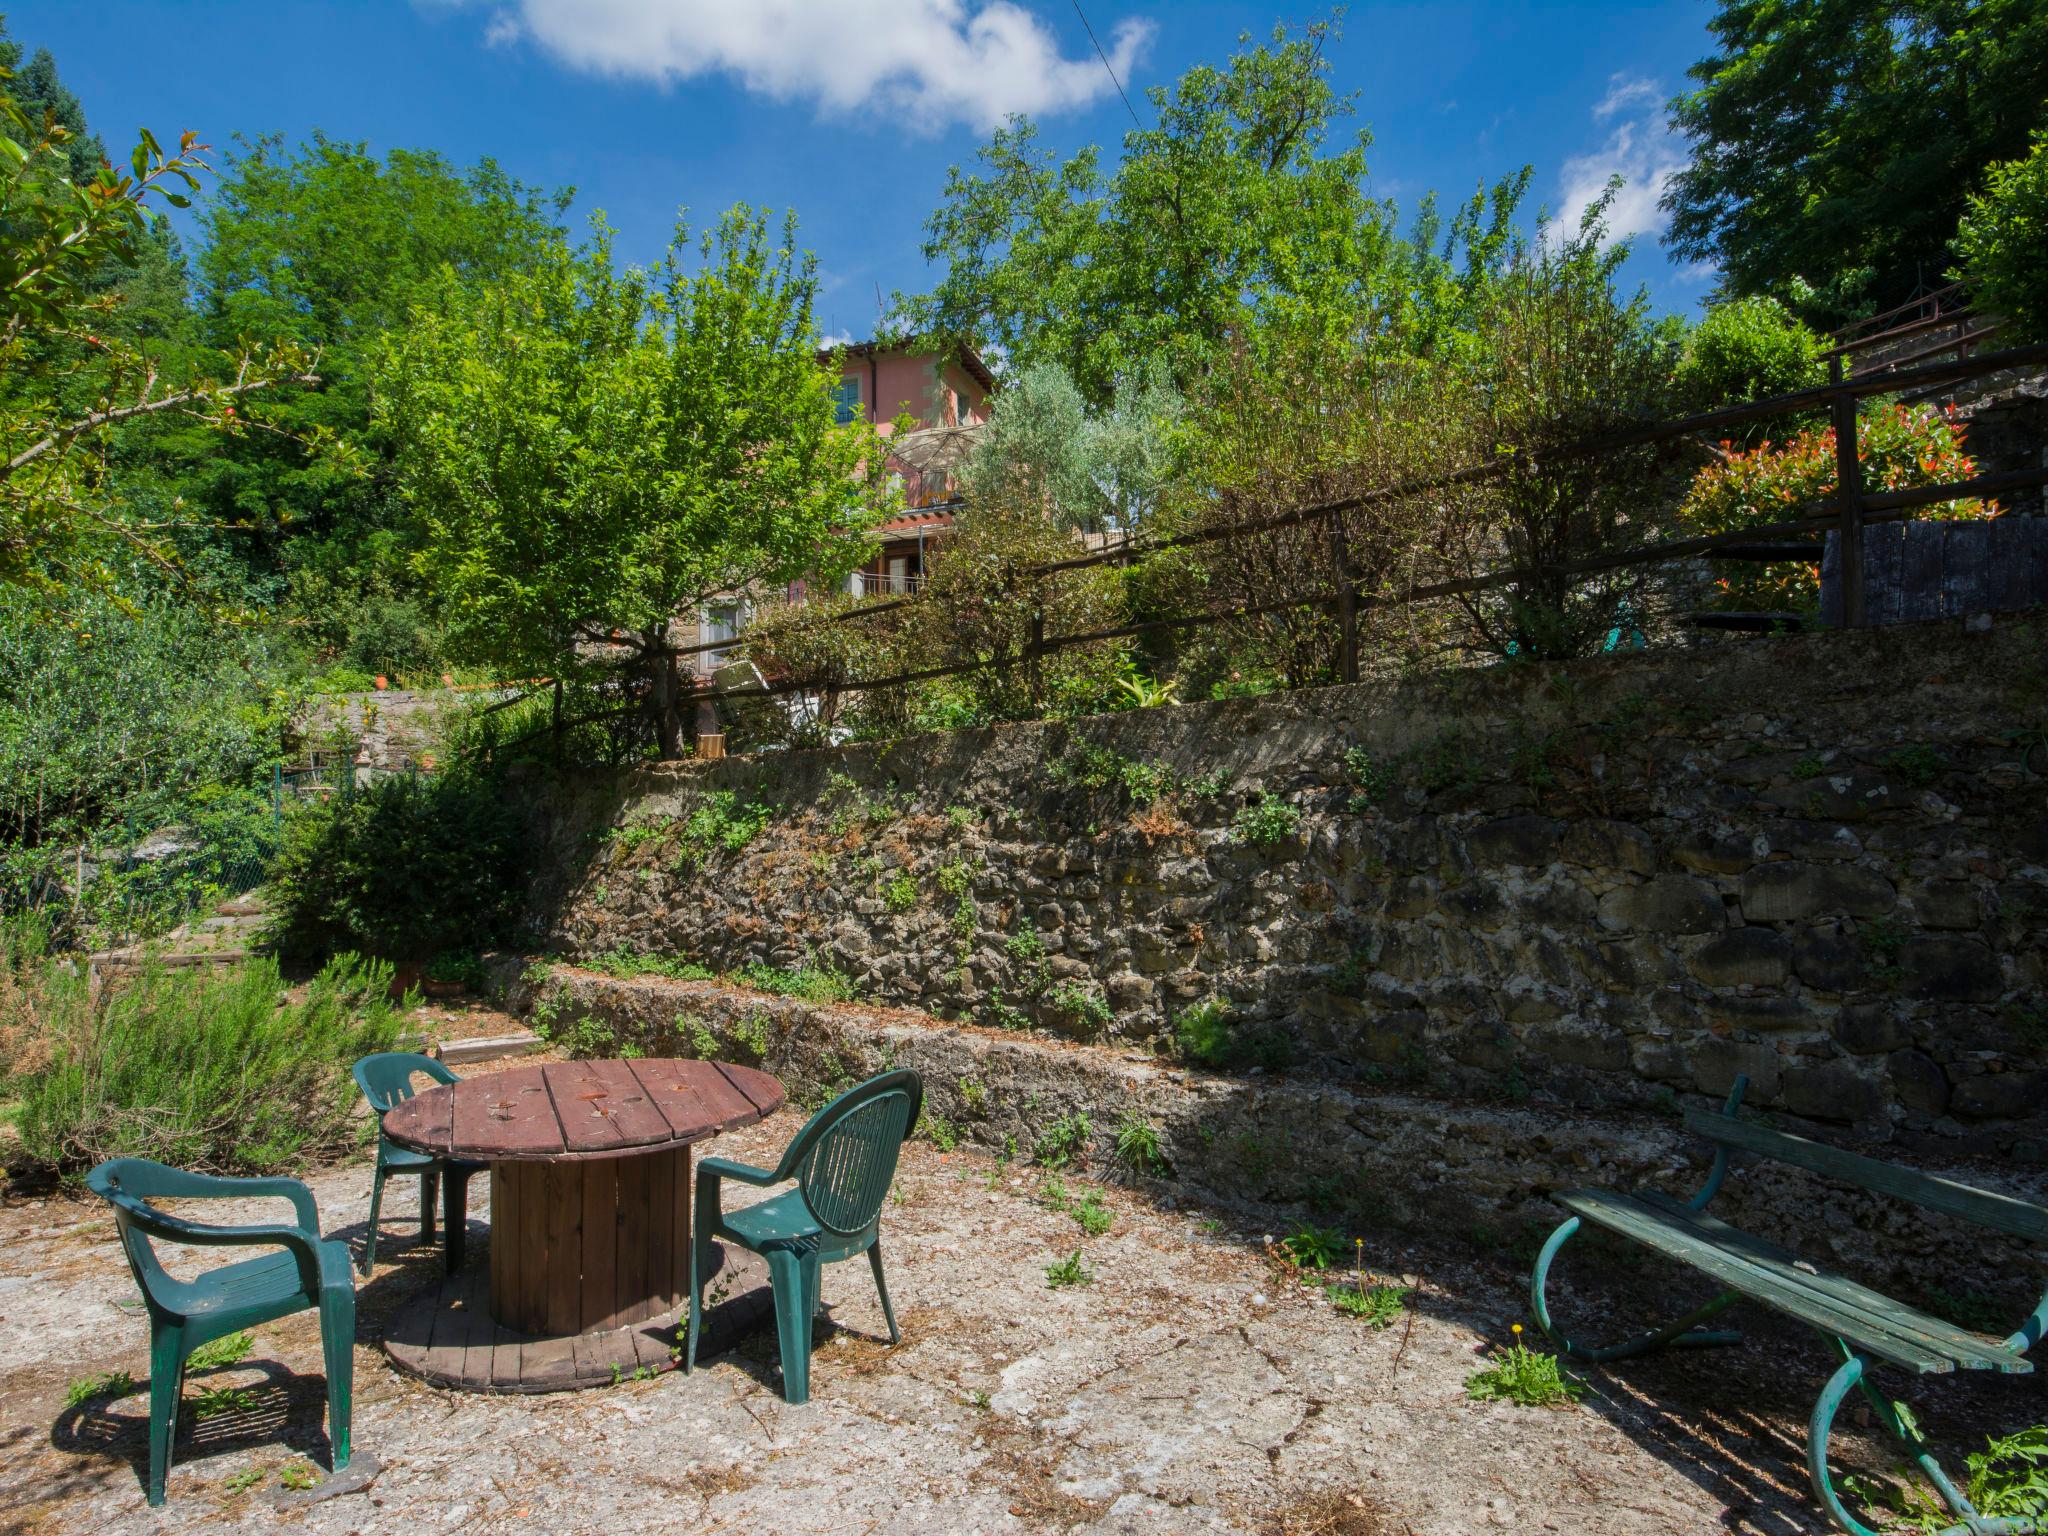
(459, 1052)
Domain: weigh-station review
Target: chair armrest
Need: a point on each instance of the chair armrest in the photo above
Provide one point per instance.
(177, 1184)
(745, 1173)
(303, 1243)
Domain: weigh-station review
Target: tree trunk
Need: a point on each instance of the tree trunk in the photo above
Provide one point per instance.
(664, 696)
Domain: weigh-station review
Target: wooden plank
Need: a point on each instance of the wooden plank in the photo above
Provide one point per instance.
(1884, 550)
(603, 1105)
(726, 1105)
(506, 1115)
(1619, 1213)
(600, 1242)
(759, 1089)
(679, 1280)
(2008, 536)
(1999, 1212)
(506, 1247)
(563, 1254)
(661, 1223)
(672, 1088)
(1965, 568)
(1976, 1350)
(529, 1304)
(546, 1363)
(1920, 573)
(631, 1281)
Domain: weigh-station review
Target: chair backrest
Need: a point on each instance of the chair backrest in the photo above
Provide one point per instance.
(844, 1159)
(386, 1078)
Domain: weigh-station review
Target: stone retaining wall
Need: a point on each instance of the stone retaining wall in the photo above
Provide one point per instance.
(1603, 889)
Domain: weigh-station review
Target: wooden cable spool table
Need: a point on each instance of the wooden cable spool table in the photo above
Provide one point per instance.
(590, 1217)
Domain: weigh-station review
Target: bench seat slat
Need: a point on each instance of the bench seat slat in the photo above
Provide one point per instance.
(1970, 1350)
(2001, 1213)
(1751, 1268)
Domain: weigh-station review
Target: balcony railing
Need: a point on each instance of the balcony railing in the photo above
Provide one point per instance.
(883, 584)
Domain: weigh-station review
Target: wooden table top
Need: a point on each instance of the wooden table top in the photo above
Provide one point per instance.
(582, 1109)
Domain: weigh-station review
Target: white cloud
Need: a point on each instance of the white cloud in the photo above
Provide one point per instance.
(1623, 92)
(1642, 150)
(927, 62)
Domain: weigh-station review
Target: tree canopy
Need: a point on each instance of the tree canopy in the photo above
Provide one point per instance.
(1834, 142)
(593, 453)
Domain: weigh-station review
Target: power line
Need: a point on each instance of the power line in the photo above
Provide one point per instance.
(1105, 63)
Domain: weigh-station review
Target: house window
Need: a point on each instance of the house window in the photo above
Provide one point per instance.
(846, 401)
(720, 623)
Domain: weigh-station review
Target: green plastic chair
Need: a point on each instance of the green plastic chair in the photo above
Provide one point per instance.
(843, 1162)
(310, 1271)
(386, 1079)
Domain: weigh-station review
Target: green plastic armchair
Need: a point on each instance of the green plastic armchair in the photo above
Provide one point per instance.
(843, 1162)
(308, 1272)
(386, 1079)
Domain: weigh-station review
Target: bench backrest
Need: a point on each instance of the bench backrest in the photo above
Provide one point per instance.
(2000, 1212)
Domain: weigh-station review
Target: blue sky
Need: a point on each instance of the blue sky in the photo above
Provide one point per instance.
(849, 111)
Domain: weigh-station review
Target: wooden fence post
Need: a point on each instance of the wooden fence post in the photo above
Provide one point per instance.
(1347, 601)
(1849, 495)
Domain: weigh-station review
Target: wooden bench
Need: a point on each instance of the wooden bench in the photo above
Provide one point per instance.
(1864, 1326)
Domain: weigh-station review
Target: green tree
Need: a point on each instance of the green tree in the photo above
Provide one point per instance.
(1834, 142)
(594, 454)
(331, 247)
(1243, 196)
(2003, 243)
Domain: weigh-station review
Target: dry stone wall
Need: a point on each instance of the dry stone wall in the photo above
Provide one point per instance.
(1600, 891)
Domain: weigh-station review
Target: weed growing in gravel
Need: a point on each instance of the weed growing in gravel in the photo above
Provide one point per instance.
(1092, 1214)
(1068, 1271)
(1064, 1142)
(978, 1401)
(1523, 1375)
(299, 1476)
(242, 1481)
(1377, 1305)
(111, 1385)
(1313, 1247)
(1137, 1145)
(229, 1349)
(939, 1131)
(212, 1402)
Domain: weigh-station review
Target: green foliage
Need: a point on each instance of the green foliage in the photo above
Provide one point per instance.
(720, 823)
(1137, 1146)
(626, 964)
(956, 880)
(2009, 1477)
(1266, 822)
(1025, 945)
(1310, 1247)
(1203, 1033)
(1084, 1008)
(109, 1386)
(811, 982)
(1093, 1217)
(899, 891)
(1744, 350)
(1370, 781)
(1064, 1142)
(973, 1096)
(2000, 240)
(199, 1068)
(1523, 1375)
(1378, 1306)
(1068, 1271)
(411, 865)
(592, 452)
(229, 1349)
(940, 1131)
(1096, 767)
(1901, 446)
(1919, 764)
(1835, 144)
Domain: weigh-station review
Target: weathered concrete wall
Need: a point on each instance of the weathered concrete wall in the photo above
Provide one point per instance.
(1604, 889)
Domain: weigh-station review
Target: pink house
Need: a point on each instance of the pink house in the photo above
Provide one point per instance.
(947, 397)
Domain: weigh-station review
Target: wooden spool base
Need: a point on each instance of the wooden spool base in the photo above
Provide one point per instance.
(445, 1334)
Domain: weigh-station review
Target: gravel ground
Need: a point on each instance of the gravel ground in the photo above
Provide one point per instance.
(1192, 1385)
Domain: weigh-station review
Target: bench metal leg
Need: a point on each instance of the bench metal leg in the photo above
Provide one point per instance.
(1852, 1374)
(1679, 1333)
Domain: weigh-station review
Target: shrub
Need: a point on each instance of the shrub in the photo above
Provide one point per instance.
(810, 982)
(1208, 1037)
(1137, 1146)
(1902, 446)
(1266, 822)
(412, 865)
(2000, 241)
(203, 1069)
(1747, 349)
(1086, 1008)
(1064, 1141)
